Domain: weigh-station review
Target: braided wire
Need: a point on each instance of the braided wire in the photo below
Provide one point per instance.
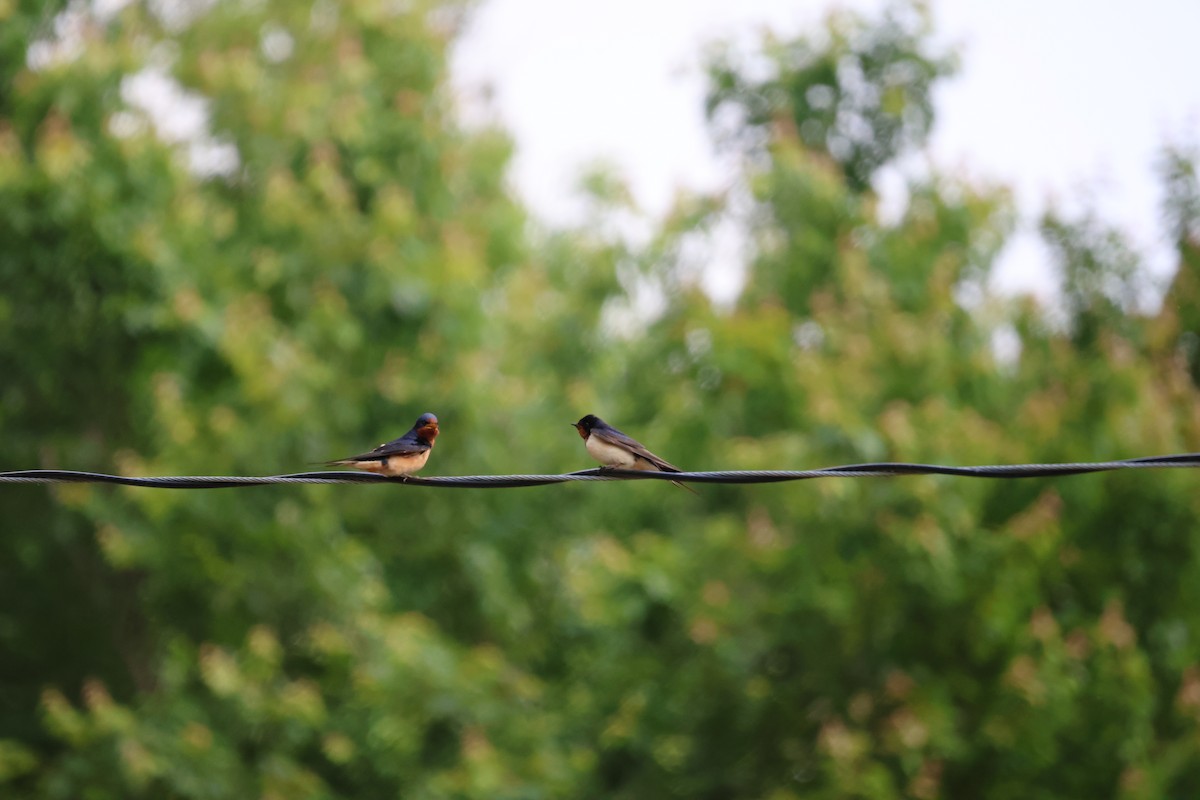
(873, 470)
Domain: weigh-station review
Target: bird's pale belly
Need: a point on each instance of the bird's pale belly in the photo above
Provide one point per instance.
(609, 454)
(396, 465)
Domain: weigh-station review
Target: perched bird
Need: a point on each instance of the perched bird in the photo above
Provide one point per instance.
(612, 448)
(399, 457)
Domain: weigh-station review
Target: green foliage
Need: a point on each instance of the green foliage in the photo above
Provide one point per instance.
(1181, 308)
(362, 262)
(1100, 275)
(860, 94)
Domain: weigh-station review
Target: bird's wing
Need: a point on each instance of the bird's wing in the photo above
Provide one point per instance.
(614, 437)
(404, 446)
(663, 466)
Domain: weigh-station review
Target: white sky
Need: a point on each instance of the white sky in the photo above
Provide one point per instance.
(1056, 98)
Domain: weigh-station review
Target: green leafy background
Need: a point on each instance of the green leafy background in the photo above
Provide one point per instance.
(362, 259)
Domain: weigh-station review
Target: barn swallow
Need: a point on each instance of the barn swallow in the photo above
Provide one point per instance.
(612, 448)
(400, 457)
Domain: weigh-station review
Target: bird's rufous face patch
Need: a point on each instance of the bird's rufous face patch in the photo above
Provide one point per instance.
(428, 431)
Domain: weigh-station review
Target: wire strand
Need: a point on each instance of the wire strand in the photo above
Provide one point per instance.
(876, 470)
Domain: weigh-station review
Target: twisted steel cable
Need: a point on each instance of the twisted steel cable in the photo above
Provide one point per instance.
(875, 470)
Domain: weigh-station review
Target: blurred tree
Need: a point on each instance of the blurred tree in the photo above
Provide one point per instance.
(860, 94)
(324, 258)
(330, 254)
(853, 100)
(75, 312)
(1181, 307)
(1102, 276)
(928, 638)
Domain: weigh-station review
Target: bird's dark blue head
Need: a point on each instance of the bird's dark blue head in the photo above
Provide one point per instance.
(426, 427)
(585, 425)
